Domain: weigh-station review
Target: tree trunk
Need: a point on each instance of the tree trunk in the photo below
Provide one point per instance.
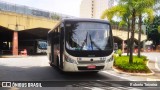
(128, 40)
(139, 35)
(132, 37)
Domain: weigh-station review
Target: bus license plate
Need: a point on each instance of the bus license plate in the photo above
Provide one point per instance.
(91, 67)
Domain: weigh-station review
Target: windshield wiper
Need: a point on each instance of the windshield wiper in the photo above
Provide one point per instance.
(93, 43)
(85, 41)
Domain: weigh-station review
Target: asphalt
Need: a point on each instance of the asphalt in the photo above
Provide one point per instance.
(153, 65)
(130, 77)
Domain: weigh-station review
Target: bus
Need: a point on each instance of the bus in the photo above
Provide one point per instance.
(37, 46)
(81, 45)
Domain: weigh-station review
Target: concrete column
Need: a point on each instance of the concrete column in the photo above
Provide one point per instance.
(15, 43)
(123, 46)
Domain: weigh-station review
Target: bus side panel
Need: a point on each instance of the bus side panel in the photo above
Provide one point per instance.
(54, 49)
(61, 47)
(55, 54)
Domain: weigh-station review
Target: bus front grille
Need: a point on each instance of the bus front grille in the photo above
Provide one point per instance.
(91, 62)
(85, 68)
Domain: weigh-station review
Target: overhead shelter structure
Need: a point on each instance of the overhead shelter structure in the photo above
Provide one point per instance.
(15, 27)
(121, 37)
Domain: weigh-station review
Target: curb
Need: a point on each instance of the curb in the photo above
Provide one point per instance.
(134, 74)
(16, 56)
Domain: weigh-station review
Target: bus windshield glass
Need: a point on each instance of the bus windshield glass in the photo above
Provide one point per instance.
(88, 36)
(42, 44)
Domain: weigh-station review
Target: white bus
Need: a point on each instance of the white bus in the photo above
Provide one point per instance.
(76, 45)
(37, 46)
(41, 46)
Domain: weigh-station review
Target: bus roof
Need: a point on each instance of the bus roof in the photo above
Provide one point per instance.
(85, 19)
(80, 19)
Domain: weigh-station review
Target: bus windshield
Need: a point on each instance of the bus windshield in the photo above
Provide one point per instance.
(42, 44)
(88, 36)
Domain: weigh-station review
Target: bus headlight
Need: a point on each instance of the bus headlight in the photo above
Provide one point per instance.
(70, 60)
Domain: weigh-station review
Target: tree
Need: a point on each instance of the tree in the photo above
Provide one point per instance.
(138, 7)
(152, 30)
(134, 7)
(159, 29)
(143, 10)
(55, 16)
(157, 5)
(121, 11)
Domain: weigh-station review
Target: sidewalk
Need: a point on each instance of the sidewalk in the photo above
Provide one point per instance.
(19, 56)
(156, 76)
(12, 56)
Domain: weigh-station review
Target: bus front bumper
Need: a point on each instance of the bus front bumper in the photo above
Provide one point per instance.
(73, 67)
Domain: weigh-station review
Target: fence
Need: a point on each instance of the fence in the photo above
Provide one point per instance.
(4, 6)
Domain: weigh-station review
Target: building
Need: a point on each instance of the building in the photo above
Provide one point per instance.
(22, 27)
(94, 8)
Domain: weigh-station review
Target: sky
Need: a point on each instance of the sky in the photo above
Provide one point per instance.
(68, 7)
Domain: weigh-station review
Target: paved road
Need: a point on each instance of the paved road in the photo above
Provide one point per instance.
(153, 56)
(37, 69)
(154, 64)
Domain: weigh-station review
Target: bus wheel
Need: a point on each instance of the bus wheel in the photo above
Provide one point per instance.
(57, 61)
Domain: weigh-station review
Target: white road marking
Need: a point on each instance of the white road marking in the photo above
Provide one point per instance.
(112, 88)
(156, 64)
(118, 76)
(151, 79)
(94, 88)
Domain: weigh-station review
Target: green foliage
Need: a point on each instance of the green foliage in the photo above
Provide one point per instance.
(130, 9)
(138, 64)
(114, 11)
(144, 58)
(119, 52)
(122, 23)
(55, 17)
(159, 29)
(152, 30)
(115, 55)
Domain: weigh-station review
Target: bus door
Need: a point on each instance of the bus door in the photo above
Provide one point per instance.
(61, 46)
